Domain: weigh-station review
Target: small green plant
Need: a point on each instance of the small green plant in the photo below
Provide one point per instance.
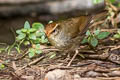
(117, 35)
(92, 38)
(33, 35)
(34, 50)
(112, 1)
(2, 66)
(30, 36)
(97, 1)
(2, 49)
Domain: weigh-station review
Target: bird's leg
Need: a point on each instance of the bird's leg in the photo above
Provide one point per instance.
(76, 53)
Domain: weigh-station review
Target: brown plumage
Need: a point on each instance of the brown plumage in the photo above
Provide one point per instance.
(67, 34)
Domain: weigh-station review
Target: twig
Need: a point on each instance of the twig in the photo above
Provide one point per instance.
(21, 56)
(97, 23)
(104, 47)
(50, 50)
(113, 7)
(116, 47)
(109, 30)
(87, 51)
(33, 62)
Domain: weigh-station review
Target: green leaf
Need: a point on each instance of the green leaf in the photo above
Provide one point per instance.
(24, 30)
(18, 31)
(43, 39)
(28, 32)
(2, 66)
(93, 41)
(18, 49)
(96, 32)
(31, 50)
(38, 26)
(26, 43)
(118, 5)
(27, 25)
(103, 35)
(32, 30)
(97, 1)
(32, 36)
(2, 49)
(84, 41)
(37, 46)
(21, 36)
(112, 1)
(40, 33)
(116, 36)
(38, 51)
(31, 54)
(37, 40)
(88, 39)
(88, 33)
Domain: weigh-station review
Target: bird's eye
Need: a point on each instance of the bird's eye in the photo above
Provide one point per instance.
(54, 31)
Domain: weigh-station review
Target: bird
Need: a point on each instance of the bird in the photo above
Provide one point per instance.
(67, 34)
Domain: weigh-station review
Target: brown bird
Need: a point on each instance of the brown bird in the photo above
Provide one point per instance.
(67, 34)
